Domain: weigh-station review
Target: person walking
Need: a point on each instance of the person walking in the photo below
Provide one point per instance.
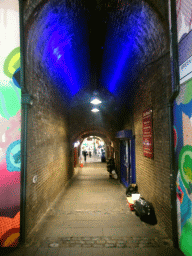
(85, 155)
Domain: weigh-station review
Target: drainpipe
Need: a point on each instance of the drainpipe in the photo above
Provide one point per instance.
(26, 101)
(175, 92)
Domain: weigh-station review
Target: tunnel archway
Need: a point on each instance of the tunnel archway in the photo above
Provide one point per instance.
(93, 149)
(110, 142)
(92, 132)
(133, 36)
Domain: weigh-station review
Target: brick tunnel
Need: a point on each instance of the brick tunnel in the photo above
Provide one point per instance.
(121, 52)
(117, 51)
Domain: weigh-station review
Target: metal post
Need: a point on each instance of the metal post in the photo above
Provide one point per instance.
(26, 100)
(175, 86)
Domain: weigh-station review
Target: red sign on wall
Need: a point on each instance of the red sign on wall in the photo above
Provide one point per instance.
(148, 133)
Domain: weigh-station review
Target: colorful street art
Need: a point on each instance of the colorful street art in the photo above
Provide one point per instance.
(10, 120)
(183, 127)
(183, 152)
(182, 130)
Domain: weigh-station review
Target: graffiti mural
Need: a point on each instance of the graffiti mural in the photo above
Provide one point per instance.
(10, 123)
(183, 127)
(183, 151)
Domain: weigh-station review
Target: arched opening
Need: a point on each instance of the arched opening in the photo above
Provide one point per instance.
(93, 149)
(72, 64)
(99, 143)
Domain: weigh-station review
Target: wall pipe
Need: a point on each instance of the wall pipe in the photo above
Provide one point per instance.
(175, 92)
(26, 101)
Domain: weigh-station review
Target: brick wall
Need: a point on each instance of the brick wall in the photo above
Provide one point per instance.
(153, 175)
(48, 148)
(49, 151)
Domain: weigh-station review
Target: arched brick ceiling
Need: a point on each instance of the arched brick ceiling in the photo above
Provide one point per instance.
(57, 45)
(94, 44)
(135, 37)
(82, 46)
(101, 133)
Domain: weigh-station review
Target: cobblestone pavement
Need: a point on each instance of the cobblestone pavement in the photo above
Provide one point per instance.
(106, 242)
(93, 218)
(92, 159)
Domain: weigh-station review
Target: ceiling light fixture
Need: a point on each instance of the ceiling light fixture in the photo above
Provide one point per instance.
(96, 101)
(95, 110)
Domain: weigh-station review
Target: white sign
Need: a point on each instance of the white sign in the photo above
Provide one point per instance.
(185, 70)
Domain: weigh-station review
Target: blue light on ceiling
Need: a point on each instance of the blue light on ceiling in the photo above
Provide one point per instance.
(58, 60)
(121, 61)
(62, 46)
(119, 67)
(118, 60)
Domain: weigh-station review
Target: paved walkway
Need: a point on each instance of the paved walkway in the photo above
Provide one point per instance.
(93, 159)
(93, 218)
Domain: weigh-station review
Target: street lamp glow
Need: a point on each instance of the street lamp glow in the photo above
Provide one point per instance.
(95, 101)
(95, 110)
